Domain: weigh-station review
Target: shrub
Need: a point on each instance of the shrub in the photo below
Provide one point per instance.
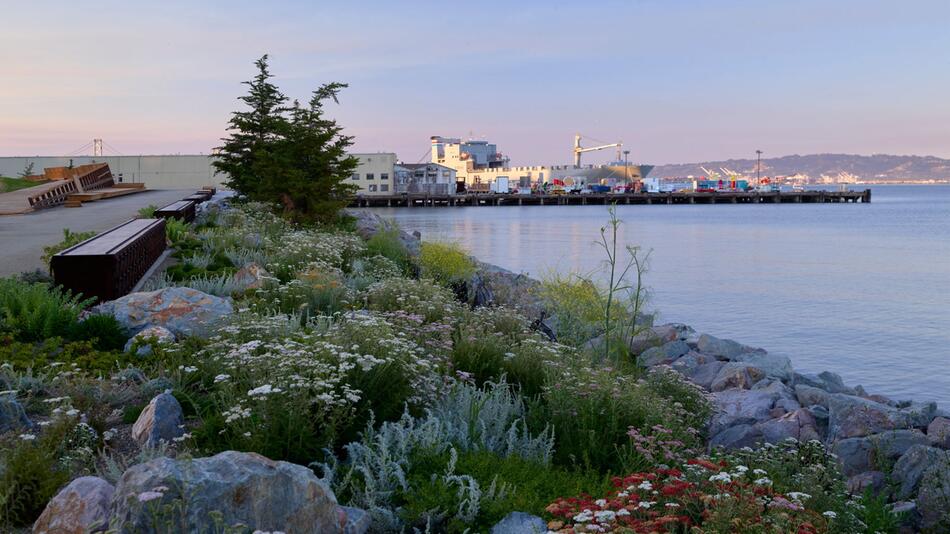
(40, 356)
(147, 212)
(69, 239)
(32, 473)
(446, 263)
(313, 293)
(417, 297)
(575, 305)
(388, 245)
(177, 232)
(34, 312)
(366, 271)
(104, 331)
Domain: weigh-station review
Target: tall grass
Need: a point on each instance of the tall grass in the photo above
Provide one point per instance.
(34, 312)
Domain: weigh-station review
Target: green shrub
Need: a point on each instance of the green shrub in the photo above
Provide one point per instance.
(104, 331)
(575, 305)
(177, 232)
(419, 297)
(148, 212)
(69, 239)
(34, 312)
(31, 474)
(387, 244)
(311, 294)
(446, 263)
(23, 356)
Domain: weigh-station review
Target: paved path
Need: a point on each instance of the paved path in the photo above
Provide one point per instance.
(16, 202)
(22, 237)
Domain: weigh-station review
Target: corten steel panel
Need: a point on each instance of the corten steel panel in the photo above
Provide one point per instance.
(183, 210)
(196, 198)
(109, 265)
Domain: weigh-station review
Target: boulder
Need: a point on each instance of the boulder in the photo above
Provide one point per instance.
(826, 380)
(910, 468)
(724, 349)
(520, 523)
(736, 375)
(354, 520)
(938, 432)
(161, 420)
(369, 224)
(479, 291)
(774, 366)
(242, 487)
(251, 276)
(688, 362)
(12, 414)
(181, 310)
(875, 481)
(663, 354)
(854, 455)
(739, 407)
(933, 497)
(81, 507)
(892, 444)
(799, 425)
(149, 336)
(704, 374)
(851, 416)
(736, 437)
(921, 413)
(811, 396)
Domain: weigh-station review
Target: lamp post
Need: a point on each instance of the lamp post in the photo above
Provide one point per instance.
(758, 166)
(626, 177)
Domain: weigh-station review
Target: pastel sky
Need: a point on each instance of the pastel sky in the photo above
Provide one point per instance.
(676, 80)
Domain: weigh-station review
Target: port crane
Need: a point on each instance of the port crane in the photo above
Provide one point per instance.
(578, 149)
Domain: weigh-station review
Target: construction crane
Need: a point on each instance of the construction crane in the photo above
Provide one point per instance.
(578, 150)
(711, 175)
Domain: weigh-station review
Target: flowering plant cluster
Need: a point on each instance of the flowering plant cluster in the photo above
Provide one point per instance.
(702, 497)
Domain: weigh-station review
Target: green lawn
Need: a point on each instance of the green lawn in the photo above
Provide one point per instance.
(12, 184)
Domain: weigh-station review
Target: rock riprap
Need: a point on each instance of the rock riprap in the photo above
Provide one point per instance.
(181, 310)
(243, 488)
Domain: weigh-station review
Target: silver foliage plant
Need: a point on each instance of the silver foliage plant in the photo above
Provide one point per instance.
(468, 419)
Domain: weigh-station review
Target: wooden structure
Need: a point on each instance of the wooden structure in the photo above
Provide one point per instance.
(84, 183)
(75, 200)
(183, 210)
(679, 197)
(110, 264)
(199, 196)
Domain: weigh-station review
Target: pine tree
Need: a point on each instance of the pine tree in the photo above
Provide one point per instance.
(247, 153)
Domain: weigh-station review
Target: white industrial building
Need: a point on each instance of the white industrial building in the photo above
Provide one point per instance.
(430, 178)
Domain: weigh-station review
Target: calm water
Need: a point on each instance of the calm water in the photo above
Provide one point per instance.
(859, 289)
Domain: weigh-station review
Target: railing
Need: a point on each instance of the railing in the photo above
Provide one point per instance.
(53, 196)
(96, 179)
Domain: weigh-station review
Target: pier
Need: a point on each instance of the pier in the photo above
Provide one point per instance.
(408, 200)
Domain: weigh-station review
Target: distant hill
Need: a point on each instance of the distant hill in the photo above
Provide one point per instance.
(876, 168)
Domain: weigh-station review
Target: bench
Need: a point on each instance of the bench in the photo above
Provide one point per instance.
(199, 197)
(183, 210)
(110, 264)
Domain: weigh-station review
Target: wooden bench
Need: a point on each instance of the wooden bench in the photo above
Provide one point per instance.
(183, 210)
(198, 197)
(110, 264)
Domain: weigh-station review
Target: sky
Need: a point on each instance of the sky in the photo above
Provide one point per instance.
(675, 80)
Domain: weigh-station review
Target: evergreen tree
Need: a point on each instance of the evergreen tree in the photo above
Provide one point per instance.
(293, 156)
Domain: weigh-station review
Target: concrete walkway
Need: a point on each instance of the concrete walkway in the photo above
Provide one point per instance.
(17, 202)
(22, 237)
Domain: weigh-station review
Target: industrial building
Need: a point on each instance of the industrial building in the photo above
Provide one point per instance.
(430, 178)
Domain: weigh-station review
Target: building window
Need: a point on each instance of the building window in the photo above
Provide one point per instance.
(369, 176)
(384, 176)
(372, 188)
(356, 176)
(383, 187)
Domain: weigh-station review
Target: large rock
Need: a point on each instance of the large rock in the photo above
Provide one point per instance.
(251, 276)
(182, 310)
(520, 523)
(725, 349)
(875, 481)
(12, 414)
(663, 354)
(736, 437)
(775, 366)
(244, 488)
(799, 425)
(704, 374)
(938, 432)
(740, 407)
(910, 468)
(369, 224)
(933, 497)
(81, 507)
(687, 363)
(161, 420)
(811, 396)
(149, 336)
(826, 380)
(854, 454)
(921, 414)
(854, 417)
(892, 444)
(736, 375)
(354, 520)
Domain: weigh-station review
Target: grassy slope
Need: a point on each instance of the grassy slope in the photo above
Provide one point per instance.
(13, 184)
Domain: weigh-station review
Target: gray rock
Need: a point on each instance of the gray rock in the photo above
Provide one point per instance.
(480, 293)
(854, 416)
(673, 331)
(811, 396)
(921, 413)
(799, 425)
(369, 224)
(81, 507)
(663, 354)
(875, 481)
(244, 488)
(182, 310)
(910, 468)
(520, 523)
(826, 380)
(739, 407)
(736, 437)
(251, 276)
(736, 375)
(704, 374)
(161, 420)
(355, 520)
(775, 366)
(854, 455)
(725, 349)
(892, 444)
(938, 432)
(147, 337)
(12, 414)
(933, 497)
(688, 362)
